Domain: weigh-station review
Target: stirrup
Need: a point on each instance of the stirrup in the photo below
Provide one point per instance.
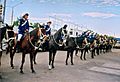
(40, 49)
(78, 47)
(60, 45)
(0, 49)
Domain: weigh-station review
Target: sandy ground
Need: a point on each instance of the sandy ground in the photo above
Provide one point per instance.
(90, 70)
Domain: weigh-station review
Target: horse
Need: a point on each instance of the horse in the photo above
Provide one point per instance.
(82, 46)
(86, 44)
(29, 44)
(70, 47)
(54, 44)
(97, 45)
(3, 32)
(103, 44)
(11, 41)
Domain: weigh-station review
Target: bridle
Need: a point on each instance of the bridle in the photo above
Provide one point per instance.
(36, 47)
(64, 35)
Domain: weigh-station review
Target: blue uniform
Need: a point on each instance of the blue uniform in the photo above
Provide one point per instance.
(24, 25)
(91, 38)
(48, 30)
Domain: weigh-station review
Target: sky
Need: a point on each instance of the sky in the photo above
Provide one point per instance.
(102, 16)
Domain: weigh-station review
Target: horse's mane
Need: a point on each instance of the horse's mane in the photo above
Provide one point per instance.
(33, 32)
(2, 32)
(60, 30)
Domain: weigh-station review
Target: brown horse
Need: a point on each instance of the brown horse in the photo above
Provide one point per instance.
(29, 44)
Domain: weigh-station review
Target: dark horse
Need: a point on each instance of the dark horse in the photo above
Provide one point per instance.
(70, 47)
(29, 44)
(60, 41)
(86, 44)
(2, 35)
(83, 46)
(54, 42)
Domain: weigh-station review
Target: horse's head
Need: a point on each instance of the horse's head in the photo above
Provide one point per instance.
(64, 31)
(9, 27)
(61, 35)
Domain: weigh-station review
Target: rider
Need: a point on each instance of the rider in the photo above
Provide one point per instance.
(47, 28)
(23, 28)
(48, 33)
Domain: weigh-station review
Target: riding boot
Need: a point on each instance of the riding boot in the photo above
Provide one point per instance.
(18, 47)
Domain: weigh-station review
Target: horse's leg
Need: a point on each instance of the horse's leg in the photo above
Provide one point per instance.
(0, 63)
(85, 54)
(53, 58)
(92, 53)
(0, 57)
(31, 62)
(23, 60)
(34, 58)
(76, 52)
(67, 57)
(100, 49)
(71, 54)
(50, 59)
(11, 57)
(81, 53)
(104, 49)
(97, 50)
(8, 49)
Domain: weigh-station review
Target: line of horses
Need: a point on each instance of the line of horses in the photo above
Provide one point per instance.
(61, 40)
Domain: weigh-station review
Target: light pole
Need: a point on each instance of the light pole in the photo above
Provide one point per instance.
(4, 10)
(12, 14)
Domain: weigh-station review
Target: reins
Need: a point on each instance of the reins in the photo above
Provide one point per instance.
(36, 47)
(61, 33)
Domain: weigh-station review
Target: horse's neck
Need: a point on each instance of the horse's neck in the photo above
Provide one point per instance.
(2, 33)
(56, 35)
(85, 40)
(25, 40)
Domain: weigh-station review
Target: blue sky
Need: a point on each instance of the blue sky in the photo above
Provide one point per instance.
(102, 16)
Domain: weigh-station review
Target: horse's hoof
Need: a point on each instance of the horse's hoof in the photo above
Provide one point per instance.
(35, 63)
(21, 72)
(53, 67)
(0, 77)
(72, 64)
(33, 71)
(12, 67)
(81, 58)
(66, 63)
(50, 67)
(84, 58)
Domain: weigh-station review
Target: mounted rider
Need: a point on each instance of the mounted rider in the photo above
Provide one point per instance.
(48, 28)
(23, 28)
(48, 33)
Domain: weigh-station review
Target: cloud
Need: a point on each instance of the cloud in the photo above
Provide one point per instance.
(103, 2)
(99, 14)
(61, 14)
(38, 19)
(91, 2)
(111, 2)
